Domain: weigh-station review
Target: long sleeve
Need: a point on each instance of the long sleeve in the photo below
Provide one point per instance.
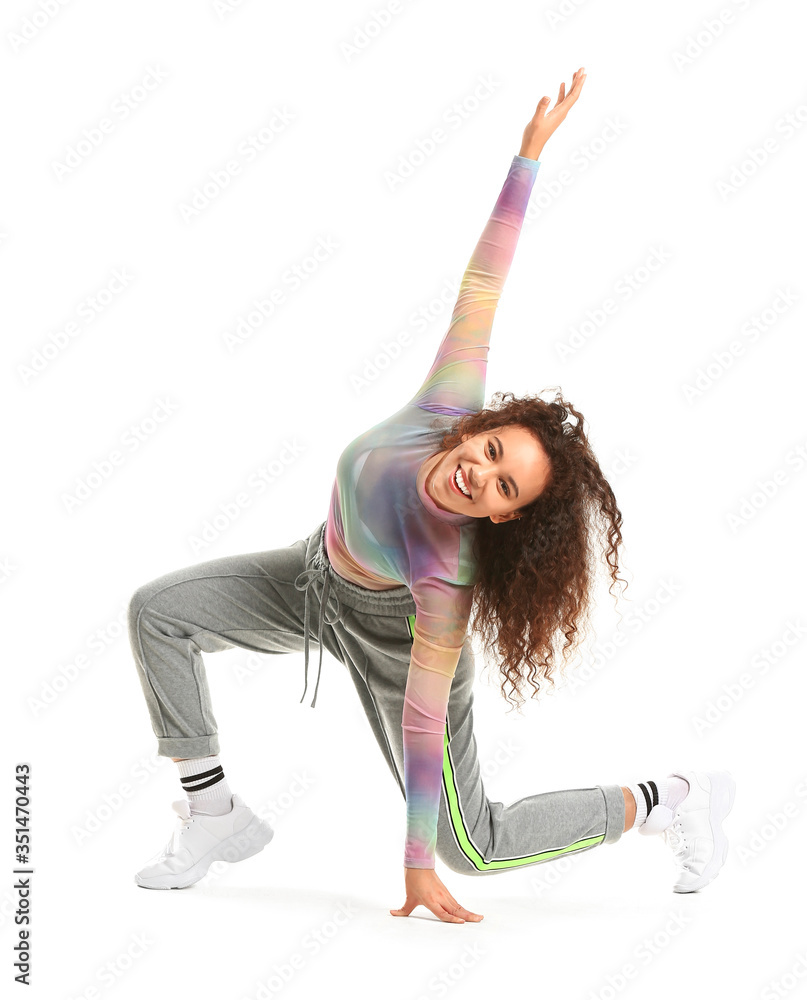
(456, 381)
(424, 726)
(439, 635)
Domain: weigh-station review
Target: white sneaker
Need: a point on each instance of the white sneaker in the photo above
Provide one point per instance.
(694, 830)
(200, 840)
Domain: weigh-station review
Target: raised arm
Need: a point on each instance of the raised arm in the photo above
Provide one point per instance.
(455, 382)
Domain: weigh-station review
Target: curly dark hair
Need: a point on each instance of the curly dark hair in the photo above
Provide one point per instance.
(535, 573)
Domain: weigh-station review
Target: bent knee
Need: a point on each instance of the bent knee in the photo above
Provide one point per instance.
(457, 862)
(137, 602)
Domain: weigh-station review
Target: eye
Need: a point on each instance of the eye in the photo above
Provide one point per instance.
(492, 453)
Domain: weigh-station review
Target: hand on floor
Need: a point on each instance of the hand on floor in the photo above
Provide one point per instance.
(424, 888)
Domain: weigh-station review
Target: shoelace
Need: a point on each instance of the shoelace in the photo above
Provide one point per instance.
(673, 836)
(182, 826)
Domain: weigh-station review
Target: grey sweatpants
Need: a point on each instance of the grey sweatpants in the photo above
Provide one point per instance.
(284, 599)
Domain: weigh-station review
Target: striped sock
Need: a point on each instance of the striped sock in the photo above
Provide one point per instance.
(669, 791)
(204, 783)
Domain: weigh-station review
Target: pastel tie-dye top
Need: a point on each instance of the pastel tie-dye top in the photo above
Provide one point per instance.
(384, 530)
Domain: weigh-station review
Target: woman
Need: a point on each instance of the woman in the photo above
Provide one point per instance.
(441, 508)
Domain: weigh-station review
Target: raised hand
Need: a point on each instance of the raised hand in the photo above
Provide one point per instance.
(543, 123)
(424, 888)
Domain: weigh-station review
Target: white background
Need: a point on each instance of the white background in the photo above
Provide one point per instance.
(664, 154)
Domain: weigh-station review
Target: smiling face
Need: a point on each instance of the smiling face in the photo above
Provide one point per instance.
(503, 470)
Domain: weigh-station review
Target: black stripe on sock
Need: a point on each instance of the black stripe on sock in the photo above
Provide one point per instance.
(206, 784)
(646, 797)
(655, 792)
(191, 778)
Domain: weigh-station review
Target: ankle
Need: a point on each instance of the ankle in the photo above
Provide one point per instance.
(205, 785)
(659, 798)
(630, 808)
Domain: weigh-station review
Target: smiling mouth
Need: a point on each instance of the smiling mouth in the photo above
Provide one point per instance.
(453, 484)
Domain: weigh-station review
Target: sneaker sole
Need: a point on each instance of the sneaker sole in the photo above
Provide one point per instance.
(722, 791)
(238, 847)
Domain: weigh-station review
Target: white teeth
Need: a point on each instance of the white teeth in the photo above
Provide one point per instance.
(458, 479)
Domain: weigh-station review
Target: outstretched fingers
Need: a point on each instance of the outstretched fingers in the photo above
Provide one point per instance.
(448, 910)
(578, 80)
(565, 101)
(463, 914)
